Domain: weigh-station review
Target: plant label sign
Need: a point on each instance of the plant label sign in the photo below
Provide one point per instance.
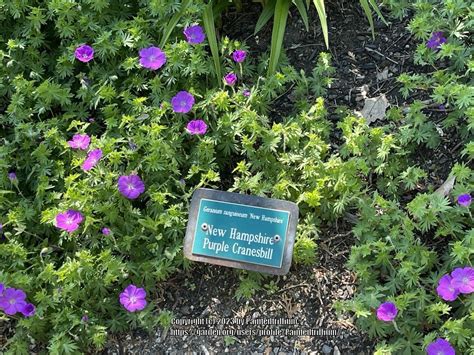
(241, 231)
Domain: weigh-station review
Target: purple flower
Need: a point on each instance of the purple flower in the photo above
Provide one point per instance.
(152, 58)
(196, 127)
(246, 92)
(85, 318)
(105, 231)
(387, 312)
(2, 288)
(92, 159)
(239, 55)
(436, 40)
(463, 279)
(446, 290)
(28, 310)
(12, 301)
(440, 347)
(194, 34)
(442, 107)
(12, 176)
(131, 186)
(133, 298)
(464, 200)
(69, 220)
(84, 53)
(91, 119)
(79, 141)
(182, 102)
(230, 79)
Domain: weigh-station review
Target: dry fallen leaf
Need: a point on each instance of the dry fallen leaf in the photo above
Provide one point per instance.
(382, 75)
(374, 108)
(447, 186)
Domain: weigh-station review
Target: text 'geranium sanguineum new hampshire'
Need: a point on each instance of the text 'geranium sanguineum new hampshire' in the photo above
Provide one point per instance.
(440, 347)
(198, 127)
(387, 311)
(84, 53)
(152, 58)
(182, 102)
(79, 141)
(133, 298)
(69, 220)
(92, 159)
(194, 34)
(131, 186)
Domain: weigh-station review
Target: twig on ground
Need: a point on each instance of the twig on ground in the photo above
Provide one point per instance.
(381, 54)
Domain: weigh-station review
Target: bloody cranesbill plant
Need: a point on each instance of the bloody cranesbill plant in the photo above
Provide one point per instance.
(198, 127)
(194, 34)
(131, 186)
(133, 298)
(182, 102)
(239, 55)
(84, 53)
(79, 141)
(92, 159)
(152, 58)
(387, 311)
(69, 220)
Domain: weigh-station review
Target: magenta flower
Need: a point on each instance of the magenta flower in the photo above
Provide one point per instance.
(12, 301)
(194, 34)
(105, 231)
(92, 159)
(84, 53)
(463, 279)
(387, 312)
(182, 102)
(464, 200)
(230, 79)
(196, 127)
(246, 92)
(85, 318)
(152, 58)
(69, 220)
(133, 298)
(79, 141)
(436, 40)
(446, 290)
(28, 310)
(440, 347)
(239, 55)
(131, 186)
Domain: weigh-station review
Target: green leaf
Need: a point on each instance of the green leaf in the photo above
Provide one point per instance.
(322, 19)
(279, 25)
(265, 16)
(208, 21)
(368, 13)
(304, 14)
(173, 22)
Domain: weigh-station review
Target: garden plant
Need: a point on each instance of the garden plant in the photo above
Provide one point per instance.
(113, 113)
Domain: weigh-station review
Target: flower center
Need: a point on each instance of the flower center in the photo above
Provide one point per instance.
(152, 58)
(182, 103)
(130, 186)
(465, 280)
(69, 221)
(12, 301)
(133, 299)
